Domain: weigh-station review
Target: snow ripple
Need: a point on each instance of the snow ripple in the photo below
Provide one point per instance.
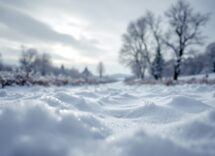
(112, 120)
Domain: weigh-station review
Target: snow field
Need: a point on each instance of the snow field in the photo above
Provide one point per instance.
(111, 119)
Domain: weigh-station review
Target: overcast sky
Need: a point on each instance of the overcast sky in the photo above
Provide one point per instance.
(78, 33)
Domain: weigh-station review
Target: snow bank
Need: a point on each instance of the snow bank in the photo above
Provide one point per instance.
(39, 130)
(141, 143)
(111, 120)
(187, 104)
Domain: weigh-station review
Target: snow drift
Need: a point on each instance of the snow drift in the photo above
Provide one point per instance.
(108, 120)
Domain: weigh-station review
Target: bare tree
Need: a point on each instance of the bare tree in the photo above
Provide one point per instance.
(86, 74)
(157, 66)
(134, 50)
(184, 31)
(143, 45)
(27, 60)
(210, 51)
(43, 64)
(156, 44)
(100, 69)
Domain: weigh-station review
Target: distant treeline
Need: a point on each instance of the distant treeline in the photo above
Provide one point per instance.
(38, 68)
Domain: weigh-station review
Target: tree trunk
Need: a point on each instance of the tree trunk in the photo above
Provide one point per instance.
(175, 76)
(178, 64)
(214, 67)
(177, 69)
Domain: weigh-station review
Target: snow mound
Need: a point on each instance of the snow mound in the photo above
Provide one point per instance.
(65, 100)
(141, 143)
(106, 120)
(154, 113)
(87, 94)
(187, 104)
(53, 101)
(197, 130)
(38, 130)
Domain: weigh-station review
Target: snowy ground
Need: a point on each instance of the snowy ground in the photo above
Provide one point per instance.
(211, 76)
(108, 120)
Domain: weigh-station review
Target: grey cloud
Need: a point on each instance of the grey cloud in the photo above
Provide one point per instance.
(111, 15)
(25, 26)
(30, 27)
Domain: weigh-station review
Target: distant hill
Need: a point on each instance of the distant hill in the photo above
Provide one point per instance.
(119, 76)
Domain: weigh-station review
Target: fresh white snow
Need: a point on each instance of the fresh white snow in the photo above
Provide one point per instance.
(108, 120)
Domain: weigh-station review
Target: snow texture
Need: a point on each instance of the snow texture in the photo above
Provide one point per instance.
(106, 120)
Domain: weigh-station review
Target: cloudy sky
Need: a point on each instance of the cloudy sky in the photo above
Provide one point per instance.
(78, 33)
